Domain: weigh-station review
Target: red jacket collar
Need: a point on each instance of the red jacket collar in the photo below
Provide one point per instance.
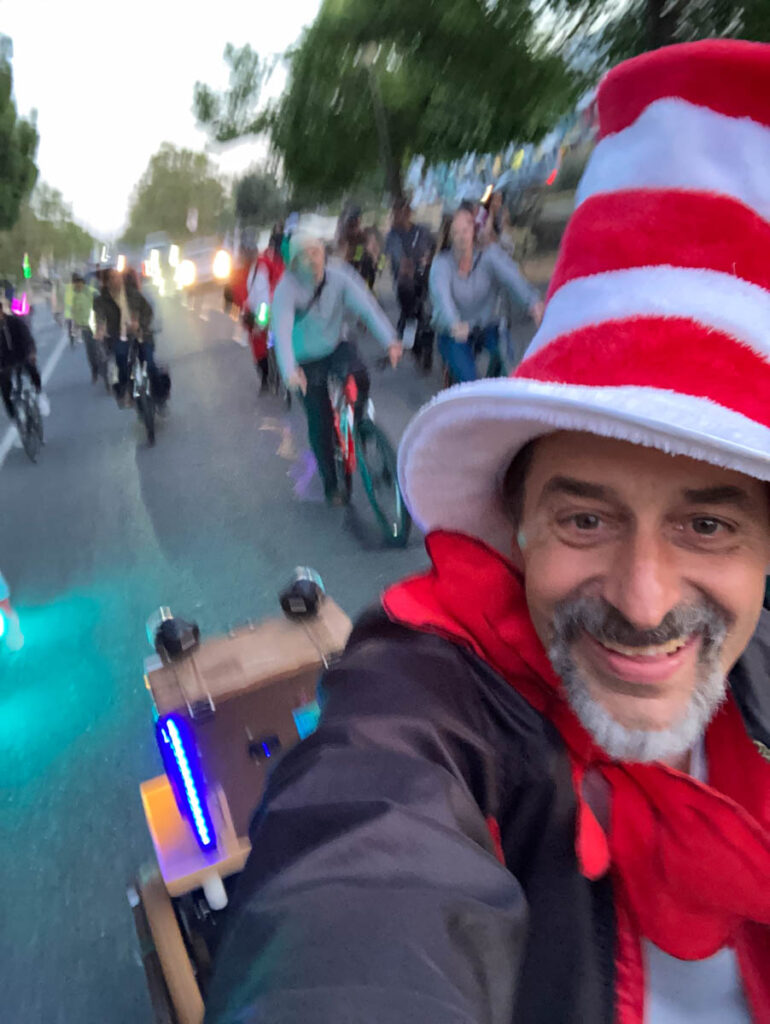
(691, 860)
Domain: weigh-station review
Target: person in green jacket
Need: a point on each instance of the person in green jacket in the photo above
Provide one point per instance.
(69, 292)
(81, 309)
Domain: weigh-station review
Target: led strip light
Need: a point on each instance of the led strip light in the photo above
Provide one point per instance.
(192, 791)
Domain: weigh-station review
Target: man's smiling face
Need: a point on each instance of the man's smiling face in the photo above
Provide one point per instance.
(645, 576)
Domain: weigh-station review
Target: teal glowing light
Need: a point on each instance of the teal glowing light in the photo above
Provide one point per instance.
(306, 718)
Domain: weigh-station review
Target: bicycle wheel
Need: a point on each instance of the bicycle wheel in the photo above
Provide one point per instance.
(377, 465)
(146, 409)
(344, 476)
(30, 427)
(275, 382)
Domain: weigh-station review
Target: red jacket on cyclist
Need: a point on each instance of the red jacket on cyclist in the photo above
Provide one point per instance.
(261, 282)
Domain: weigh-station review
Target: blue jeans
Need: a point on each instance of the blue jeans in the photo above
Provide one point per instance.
(121, 351)
(460, 356)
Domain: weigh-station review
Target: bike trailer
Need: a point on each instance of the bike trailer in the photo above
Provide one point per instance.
(225, 709)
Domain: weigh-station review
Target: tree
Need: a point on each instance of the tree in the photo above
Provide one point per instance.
(44, 229)
(176, 180)
(18, 146)
(258, 199)
(452, 76)
(647, 24)
(234, 114)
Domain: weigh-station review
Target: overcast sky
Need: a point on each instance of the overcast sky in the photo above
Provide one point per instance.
(111, 82)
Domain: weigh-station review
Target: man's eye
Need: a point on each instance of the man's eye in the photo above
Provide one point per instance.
(707, 526)
(585, 521)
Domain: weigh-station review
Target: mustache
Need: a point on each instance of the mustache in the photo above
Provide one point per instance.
(594, 615)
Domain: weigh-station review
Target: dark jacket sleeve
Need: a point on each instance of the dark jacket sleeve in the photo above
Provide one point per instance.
(142, 310)
(23, 342)
(372, 893)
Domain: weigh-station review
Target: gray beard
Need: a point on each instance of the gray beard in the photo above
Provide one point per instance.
(622, 744)
(618, 741)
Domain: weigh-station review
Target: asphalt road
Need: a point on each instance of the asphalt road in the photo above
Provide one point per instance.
(211, 521)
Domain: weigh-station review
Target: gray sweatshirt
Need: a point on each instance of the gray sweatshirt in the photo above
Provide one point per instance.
(474, 299)
(300, 339)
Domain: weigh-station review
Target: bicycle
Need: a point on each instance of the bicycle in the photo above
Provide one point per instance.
(101, 361)
(98, 356)
(275, 383)
(364, 446)
(141, 391)
(29, 421)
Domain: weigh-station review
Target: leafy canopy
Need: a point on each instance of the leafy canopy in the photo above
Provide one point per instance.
(175, 181)
(18, 146)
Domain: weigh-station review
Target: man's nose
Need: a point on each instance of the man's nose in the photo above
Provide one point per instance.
(643, 582)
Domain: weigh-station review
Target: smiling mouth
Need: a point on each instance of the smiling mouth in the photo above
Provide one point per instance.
(651, 651)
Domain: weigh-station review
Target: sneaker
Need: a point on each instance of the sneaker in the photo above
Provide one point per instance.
(45, 405)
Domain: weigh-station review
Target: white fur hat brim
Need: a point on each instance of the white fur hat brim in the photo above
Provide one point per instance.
(456, 450)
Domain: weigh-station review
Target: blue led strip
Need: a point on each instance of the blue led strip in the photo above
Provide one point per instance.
(182, 764)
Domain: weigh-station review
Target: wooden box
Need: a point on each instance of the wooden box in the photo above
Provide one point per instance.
(248, 696)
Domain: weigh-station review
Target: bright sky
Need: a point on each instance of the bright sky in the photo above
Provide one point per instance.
(112, 82)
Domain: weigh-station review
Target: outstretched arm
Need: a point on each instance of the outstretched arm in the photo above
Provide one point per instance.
(372, 892)
(283, 325)
(509, 277)
(445, 311)
(360, 301)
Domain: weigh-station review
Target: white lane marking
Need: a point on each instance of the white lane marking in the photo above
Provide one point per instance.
(7, 443)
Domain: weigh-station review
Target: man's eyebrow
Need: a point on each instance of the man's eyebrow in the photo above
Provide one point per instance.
(578, 489)
(727, 494)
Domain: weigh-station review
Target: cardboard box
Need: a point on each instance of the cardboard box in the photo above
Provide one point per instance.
(248, 697)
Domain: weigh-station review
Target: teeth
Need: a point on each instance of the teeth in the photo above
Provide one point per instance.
(654, 651)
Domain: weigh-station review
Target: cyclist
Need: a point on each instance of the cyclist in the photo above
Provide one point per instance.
(308, 310)
(124, 316)
(262, 280)
(350, 236)
(466, 284)
(82, 313)
(409, 247)
(69, 294)
(18, 351)
(369, 263)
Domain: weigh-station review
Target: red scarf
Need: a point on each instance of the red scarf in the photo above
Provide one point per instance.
(690, 862)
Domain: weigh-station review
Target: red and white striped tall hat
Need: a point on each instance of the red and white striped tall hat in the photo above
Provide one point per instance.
(657, 328)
